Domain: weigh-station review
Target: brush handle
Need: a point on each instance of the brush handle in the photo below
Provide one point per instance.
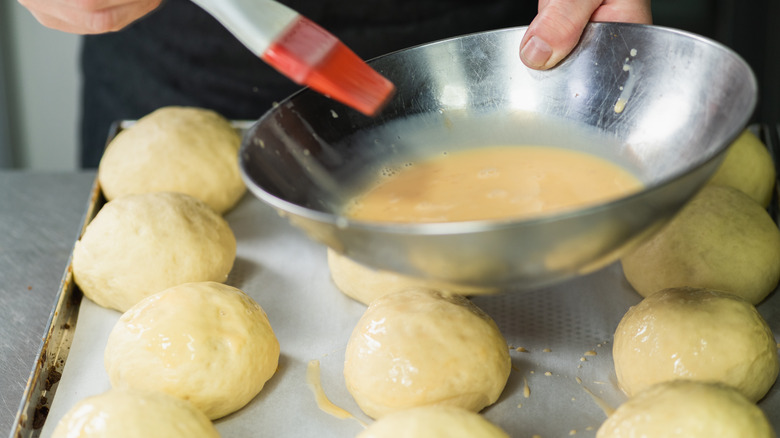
(256, 23)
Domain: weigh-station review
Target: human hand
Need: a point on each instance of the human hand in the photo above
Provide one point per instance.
(559, 24)
(88, 16)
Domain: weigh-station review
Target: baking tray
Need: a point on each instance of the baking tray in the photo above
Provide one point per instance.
(562, 377)
(58, 337)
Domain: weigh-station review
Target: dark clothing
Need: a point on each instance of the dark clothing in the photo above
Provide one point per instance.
(180, 55)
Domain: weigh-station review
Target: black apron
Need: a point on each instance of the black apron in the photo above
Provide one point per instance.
(180, 55)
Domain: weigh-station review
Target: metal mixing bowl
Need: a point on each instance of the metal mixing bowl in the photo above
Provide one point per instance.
(663, 103)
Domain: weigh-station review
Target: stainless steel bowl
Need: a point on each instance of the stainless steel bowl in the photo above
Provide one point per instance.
(661, 102)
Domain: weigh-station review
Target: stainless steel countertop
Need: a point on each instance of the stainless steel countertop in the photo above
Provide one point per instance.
(40, 218)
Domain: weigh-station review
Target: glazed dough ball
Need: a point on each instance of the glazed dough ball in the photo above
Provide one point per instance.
(366, 284)
(687, 409)
(433, 422)
(138, 245)
(175, 149)
(695, 334)
(722, 239)
(207, 342)
(420, 347)
(748, 167)
(133, 414)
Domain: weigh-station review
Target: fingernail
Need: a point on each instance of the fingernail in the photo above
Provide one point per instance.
(536, 52)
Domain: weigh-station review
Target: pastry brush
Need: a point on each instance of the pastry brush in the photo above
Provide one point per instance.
(303, 51)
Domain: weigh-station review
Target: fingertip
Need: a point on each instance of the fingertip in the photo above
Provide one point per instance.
(555, 31)
(535, 52)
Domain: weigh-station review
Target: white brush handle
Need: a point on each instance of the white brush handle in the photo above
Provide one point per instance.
(255, 23)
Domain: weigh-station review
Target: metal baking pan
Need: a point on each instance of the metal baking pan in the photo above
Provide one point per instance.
(555, 327)
(56, 341)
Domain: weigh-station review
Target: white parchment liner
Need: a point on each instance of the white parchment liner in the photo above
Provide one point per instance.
(287, 274)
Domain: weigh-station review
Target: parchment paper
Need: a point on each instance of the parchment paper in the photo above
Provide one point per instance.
(287, 274)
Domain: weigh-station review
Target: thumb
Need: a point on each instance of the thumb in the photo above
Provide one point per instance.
(555, 31)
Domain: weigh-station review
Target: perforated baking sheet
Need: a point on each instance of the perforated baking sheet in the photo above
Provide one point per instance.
(560, 338)
(287, 274)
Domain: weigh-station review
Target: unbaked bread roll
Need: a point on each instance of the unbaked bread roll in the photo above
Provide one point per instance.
(689, 409)
(175, 149)
(420, 347)
(366, 284)
(207, 342)
(722, 239)
(695, 334)
(138, 245)
(133, 414)
(433, 422)
(748, 167)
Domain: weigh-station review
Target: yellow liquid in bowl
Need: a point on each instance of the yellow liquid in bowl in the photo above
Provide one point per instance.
(497, 182)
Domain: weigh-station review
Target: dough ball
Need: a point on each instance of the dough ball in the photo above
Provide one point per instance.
(420, 347)
(433, 422)
(688, 409)
(720, 240)
(175, 149)
(695, 334)
(207, 342)
(138, 245)
(748, 167)
(134, 414)
(366, 284)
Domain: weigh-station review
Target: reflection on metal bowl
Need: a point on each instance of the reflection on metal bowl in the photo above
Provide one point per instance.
(662, 103)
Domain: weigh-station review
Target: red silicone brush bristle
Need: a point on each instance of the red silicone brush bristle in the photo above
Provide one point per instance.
(310, 55)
